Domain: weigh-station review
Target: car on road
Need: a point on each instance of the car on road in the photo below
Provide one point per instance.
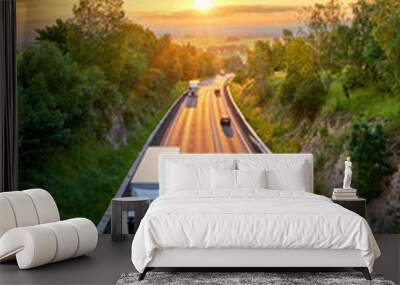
(225, 120)
(217, 92)
(193, 87)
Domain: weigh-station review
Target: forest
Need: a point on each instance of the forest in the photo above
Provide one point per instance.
(332, 88)
(90, 91)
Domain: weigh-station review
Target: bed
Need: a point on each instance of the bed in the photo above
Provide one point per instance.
(242, 211)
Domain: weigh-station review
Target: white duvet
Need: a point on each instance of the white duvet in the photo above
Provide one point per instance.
(250, 219)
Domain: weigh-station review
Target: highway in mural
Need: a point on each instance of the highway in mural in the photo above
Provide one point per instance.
(198, 126)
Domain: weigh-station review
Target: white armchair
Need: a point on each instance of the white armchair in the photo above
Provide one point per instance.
(31, 230)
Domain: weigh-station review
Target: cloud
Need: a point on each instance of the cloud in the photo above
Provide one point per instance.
(216, 12)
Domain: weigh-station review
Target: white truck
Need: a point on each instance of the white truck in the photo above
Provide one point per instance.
(193, 87)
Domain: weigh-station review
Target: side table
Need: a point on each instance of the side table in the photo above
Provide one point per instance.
(357, 205)
(119, 213)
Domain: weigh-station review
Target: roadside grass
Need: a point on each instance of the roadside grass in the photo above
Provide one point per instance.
(280, 130)
(364, 102)
(84, 177)
(270, 124)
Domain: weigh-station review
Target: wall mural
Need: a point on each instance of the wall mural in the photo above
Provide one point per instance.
(106, 83)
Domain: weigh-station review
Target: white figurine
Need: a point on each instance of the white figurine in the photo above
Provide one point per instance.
(347, 174)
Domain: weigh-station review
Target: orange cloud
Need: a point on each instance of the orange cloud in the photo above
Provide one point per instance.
(221, 11)
(228, 16)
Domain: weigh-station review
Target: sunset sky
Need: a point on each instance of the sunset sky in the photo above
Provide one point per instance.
(179, 17)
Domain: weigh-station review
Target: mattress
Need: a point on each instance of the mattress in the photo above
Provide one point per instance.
(250, 219)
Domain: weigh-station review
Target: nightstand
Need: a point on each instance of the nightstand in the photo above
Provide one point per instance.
(119, 214)
(357, 205)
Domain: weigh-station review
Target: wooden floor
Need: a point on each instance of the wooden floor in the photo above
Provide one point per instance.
(110, 260)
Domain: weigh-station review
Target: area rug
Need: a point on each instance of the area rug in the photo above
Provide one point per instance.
(244, 278)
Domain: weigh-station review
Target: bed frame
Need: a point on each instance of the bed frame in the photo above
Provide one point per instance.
(249, 259)
(242, 259)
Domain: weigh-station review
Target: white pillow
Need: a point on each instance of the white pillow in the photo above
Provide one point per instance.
(251, 178)
(281, 174)
(193, 174)
(289, 177)
(181, 177)
(223, 179)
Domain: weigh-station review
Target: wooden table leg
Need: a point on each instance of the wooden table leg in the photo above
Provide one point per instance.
(116, 221)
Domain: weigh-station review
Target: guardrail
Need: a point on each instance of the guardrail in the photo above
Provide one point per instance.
(159, 132)
(154, 139)
(255, 140)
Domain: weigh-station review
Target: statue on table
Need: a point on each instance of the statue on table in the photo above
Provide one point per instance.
(347, 174)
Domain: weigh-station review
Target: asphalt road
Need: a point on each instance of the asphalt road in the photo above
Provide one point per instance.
(196, 128)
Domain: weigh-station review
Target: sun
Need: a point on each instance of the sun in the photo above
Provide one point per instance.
(204, 5)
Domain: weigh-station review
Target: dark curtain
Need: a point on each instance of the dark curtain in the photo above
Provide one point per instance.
(8, 98)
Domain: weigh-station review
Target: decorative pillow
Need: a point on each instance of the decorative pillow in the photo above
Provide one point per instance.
(223, 179)
(251, 178)
(181, 177)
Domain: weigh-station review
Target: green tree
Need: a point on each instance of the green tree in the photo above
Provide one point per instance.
(168, 60)
(208, 64)
(189, 60)
(368, 148)
(99, 18)
(105, 98)
(142, 40)
(326, 30)
(56, 99)
(109, 52)
(261, 60)
(309, 96)
(135, 66)
(300, 58)
(57, 33)
(278, 50)
(303, 88)
(386, 20)
(287, 35)
(233, 63)
(99, 36)
(365, 54)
